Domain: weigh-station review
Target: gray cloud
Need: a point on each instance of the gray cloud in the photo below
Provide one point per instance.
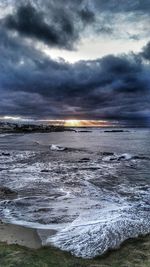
(146, 52)
(87, 15)
(123, 6)
(61, 27)
(34, 85)
(63, 24)
(30, 22)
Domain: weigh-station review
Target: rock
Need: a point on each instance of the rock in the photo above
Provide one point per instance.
(121, 158)
(7, 192)
(141, 157)
(45, 171)
(5, 154)
(84, 131)
(43, 210)
(90, 168)
(105, 154)
(85, 159)
(112, 159)
(115, 131)
(125, 156)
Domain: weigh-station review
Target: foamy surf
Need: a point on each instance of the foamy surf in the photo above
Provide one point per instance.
(57, 148)
(88, 239)
(93, 199)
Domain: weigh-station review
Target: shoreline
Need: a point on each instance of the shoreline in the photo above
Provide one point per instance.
(22, 245)
(46, 178)
(31, 238)
(12, 234)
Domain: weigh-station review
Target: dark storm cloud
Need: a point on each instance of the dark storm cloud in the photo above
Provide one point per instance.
(146, 52)
(30, 22)
(56, 24)
(63, 23)
(87, 15)
(33, 85)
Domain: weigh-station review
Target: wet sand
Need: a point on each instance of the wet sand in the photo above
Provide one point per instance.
(14, 234)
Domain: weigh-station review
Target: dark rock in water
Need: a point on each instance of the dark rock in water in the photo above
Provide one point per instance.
(84, 131)
(31, 128)
(6, 154)
(115, 131)
(85, 159)
(90, 169)
(112, 159)
(43, 210)
(141, 157)
(44, 171)
(7, 192)
(105, 154)
(121, 158)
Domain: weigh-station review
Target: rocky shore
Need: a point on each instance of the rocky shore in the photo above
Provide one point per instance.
(7, 127)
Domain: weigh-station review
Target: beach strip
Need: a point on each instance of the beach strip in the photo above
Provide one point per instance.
(20, 235)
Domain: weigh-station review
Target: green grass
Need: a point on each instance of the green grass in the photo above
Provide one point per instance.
(134, 253)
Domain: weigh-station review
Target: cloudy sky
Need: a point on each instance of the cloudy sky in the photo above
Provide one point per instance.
(82, 59)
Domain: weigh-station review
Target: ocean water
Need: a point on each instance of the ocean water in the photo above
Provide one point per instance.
(93, 195)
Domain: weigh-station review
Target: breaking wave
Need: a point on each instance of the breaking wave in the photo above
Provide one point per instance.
(93, 200)
(88, 239)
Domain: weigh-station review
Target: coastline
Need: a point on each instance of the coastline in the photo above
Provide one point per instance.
(22, 245)
(20, 235)
(24, 236)
(28, 239)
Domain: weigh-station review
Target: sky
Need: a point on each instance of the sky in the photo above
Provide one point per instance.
(75, 60)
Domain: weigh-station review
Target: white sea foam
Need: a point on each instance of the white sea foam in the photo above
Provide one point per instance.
(88, 238)
(4, 135)
(118, 157)
(57, 148)
(93, 205)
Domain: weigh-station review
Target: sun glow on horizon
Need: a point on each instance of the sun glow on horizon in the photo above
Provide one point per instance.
(65, 122)
(79, 123)
(72, 123)
(86, 123)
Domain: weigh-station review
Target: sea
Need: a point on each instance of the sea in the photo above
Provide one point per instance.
(85, 192)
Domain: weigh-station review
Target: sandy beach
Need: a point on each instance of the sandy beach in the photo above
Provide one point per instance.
(14, 234)
(132, 253)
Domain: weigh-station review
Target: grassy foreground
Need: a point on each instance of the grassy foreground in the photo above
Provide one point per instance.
(134, 253)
